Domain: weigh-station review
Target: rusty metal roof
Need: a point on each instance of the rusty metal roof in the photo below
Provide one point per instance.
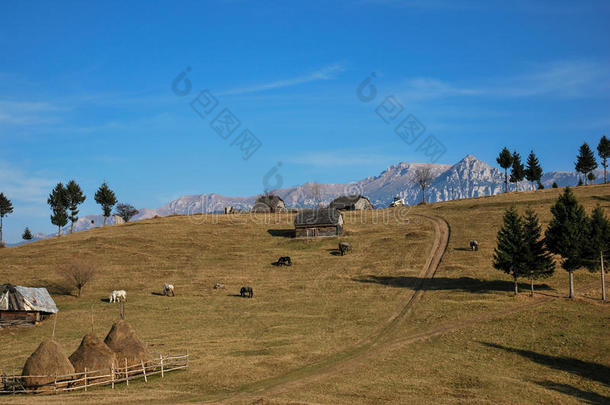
(18, 298)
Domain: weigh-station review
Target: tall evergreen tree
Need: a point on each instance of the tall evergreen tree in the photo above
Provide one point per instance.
(603, 150)
(517, 172)
(27, 234)
(510, 254)
(567, 233)
(105, 197)
(58, 201)
(75, 198)
(505, 160)
(585, 161)
(599, 244)
(6, 207)
(539, 262)
(533, 172)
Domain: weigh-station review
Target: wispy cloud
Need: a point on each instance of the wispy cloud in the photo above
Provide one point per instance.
(342, 158)
(326, 73)
(27, 112)
(20, 186)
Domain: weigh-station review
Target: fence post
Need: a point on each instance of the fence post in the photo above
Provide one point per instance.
(144, 371)
(161, 357)
(85, 379)
(55, 384)
(126, 372)
(112, 371)
(187, 359)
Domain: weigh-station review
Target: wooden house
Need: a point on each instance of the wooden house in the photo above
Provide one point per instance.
(269, 203)
(24, 304)
(351, 203)
(319, 222)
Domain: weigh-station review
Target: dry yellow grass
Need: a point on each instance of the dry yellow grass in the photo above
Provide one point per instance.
(467, 340)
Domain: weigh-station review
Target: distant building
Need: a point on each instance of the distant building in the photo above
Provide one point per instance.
(269, 203)
(398, 202)
(25, 304)
(319, 222)
(351, 203)
(118, 220)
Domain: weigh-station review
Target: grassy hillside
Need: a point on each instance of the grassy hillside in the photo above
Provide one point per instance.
(467, 340)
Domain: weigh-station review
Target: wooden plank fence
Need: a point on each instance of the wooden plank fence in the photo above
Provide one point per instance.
(14, 383)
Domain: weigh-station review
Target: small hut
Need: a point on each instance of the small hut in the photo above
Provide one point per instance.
(25, 304)
(47, 361)
(319, 222)
(94, 355)
(122, 340)
(269, 203)
(351, 203)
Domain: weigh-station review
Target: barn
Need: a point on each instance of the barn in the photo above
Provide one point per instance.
(24, 304)
(269, 203)
(319, 222)
(351, 203)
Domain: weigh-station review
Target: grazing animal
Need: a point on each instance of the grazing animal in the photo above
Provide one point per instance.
(246, 291)
(229, 210)
(219, 286)
(344, 247)
(284, 261)
(118, 295)
(168, 289)
(474, 245)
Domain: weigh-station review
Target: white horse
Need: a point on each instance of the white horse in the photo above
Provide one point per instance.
(118, 295)
(168, 289)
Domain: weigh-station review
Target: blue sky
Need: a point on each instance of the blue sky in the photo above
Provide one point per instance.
(86, 91)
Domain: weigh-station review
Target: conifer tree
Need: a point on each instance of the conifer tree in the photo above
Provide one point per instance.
(75, 198)
(591, 177)
(517, 172)
(599, 244)
(58, 201)
(603, 150)
(539, 262)
(27, 234)
(510, 254)
(6, 207)
(567, 233)
(533, 172)
(585, 161)
(105, 197)
(555, 185)
(505, 160)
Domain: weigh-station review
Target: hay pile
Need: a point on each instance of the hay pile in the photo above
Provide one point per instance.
(124, 342)
(94, 355)
(47, 360)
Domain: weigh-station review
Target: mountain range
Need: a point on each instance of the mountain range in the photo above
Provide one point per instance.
(468, 178)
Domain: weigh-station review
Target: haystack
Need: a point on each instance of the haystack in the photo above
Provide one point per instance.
(94, 355)
(47, 360)
(124, 342)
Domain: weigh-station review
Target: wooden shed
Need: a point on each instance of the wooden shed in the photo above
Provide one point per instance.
(351, 203)
(24, 304)
(319, 222)
(269, 203)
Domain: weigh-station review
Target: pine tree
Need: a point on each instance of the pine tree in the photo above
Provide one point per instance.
(533, 172)
(591, 177)
(540, 185)
(603, 150)
(509, 255)
(105, 197)
(567, 233)
(585, 161)
(505, 160)
(517, 172)
(58, 201)
(599, 244)
(27, 234)
(6, 207)
(539, 262)
(555, 185)
(75, 198)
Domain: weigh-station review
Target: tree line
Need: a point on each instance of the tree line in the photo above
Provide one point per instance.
(585, 164)
(580, 240)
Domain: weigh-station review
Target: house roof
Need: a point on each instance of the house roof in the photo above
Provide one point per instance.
(321, 216)
(270, 200)
(347, 201)
(18, 298)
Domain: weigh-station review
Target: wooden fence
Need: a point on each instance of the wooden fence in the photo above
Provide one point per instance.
(14, 384)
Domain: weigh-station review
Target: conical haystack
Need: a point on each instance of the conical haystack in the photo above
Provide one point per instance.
(47, 361)
(124, 342)
(94, 355)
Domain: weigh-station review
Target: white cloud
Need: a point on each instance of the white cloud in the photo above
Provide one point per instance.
(27, 112)
(342, 158)
(19, 186)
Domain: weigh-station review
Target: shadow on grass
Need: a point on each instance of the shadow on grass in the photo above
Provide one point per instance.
(284, 233)
(587, 397)
(463, 249)
(158, 294)
(334, 252)
(593, 371)
(444, 283)
(55, 288)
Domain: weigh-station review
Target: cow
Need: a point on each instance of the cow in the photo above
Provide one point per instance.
(219, 286)
(117, 296)
(246, 291)
(474, 245)
(284, 261)
(168, 289)
(344, 247)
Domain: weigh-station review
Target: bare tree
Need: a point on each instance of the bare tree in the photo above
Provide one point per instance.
(423, 178)
(77, 273)
(126, 211)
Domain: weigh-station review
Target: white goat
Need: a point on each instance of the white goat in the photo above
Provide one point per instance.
(118, 295)
(168, 289)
